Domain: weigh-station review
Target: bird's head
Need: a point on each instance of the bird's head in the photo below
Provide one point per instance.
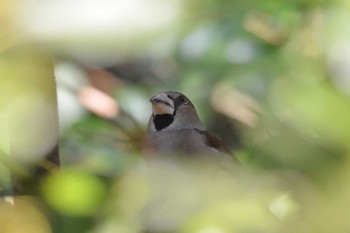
(173, 110)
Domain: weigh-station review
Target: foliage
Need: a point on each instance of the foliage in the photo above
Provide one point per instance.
(270, 77)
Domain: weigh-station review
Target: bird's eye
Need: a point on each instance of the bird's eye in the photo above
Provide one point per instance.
(182, 99)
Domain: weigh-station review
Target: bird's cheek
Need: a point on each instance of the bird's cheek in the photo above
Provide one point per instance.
(159, 109)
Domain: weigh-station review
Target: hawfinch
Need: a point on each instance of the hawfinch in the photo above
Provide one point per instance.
(174, 128)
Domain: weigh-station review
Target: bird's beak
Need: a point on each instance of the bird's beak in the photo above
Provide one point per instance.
(162, 104)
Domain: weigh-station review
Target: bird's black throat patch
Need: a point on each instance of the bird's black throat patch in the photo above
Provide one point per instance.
(162, 121)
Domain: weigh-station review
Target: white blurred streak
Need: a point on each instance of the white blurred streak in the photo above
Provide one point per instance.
(53, 18)
(70, 109)
(334, 35)
(69, 79)
(70, 75)
(339, 62)
(30, 118)
(87, 28)
(237, 105)
(133, 102)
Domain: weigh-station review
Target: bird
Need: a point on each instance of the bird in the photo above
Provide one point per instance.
(175, 129)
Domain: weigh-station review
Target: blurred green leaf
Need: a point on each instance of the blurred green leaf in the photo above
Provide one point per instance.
(74, 193)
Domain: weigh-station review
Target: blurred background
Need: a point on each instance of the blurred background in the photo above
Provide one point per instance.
(272, 78)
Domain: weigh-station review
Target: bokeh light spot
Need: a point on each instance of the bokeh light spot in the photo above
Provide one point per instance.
(74, 193)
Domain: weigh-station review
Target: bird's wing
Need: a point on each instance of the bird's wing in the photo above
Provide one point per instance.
(215, 142)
